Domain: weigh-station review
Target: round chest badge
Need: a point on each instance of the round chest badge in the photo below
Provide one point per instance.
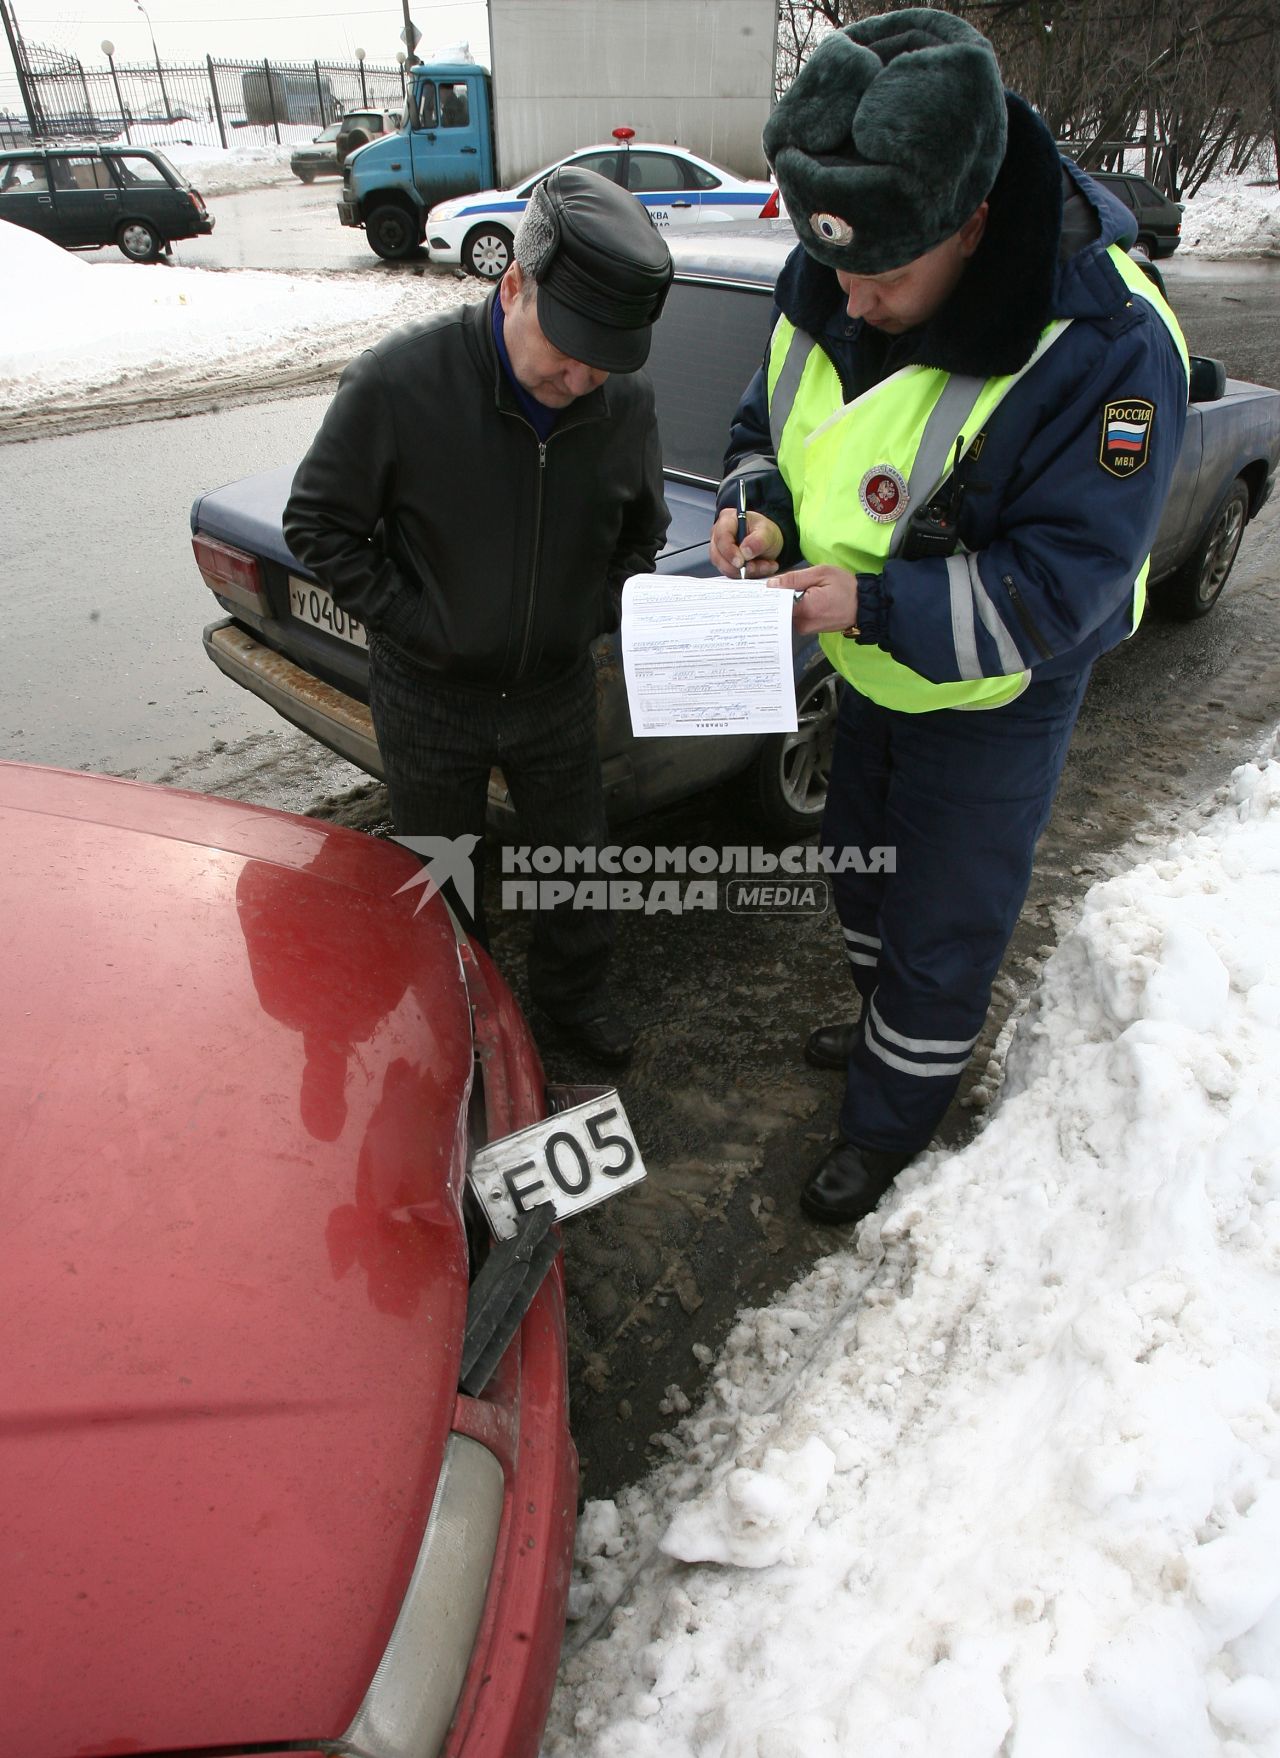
(883, 494)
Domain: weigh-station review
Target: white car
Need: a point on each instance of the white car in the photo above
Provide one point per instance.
(678, 188)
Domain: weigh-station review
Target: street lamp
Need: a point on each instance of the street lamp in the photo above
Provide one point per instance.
(401, 57)
(364, 96)
(109, 50)
(168, 109)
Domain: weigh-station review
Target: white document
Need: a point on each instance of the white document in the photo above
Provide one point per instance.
(707, 656)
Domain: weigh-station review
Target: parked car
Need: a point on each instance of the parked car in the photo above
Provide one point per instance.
(284, 639)
(276, 1471)
(678, 188)
(81, 196)
(359, 127)
(1159, 219)
(332, 147)
(319, 158)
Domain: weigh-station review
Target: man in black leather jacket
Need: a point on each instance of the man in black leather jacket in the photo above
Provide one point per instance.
(481, 486)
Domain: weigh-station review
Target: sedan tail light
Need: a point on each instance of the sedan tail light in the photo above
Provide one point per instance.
(231, 573)
(197, 201)
(771, 209)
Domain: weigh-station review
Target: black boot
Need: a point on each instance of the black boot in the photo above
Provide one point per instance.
(607, 1037)
(830, 1045)
(849, 1182)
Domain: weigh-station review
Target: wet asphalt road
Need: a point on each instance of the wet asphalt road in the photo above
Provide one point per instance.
(289, 225)
(103, 668)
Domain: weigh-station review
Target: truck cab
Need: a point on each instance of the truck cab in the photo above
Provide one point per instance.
(445, 148)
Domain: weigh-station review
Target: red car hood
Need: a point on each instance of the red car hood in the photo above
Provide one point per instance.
(232, 1137)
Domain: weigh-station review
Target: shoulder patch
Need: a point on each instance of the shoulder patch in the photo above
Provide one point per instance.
(1126, 435)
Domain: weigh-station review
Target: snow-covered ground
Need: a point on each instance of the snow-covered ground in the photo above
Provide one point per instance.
(72, 327)
(1231, 217)
(1003, 1479)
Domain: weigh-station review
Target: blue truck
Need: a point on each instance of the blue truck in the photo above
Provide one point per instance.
(446, 147)
(561, 90)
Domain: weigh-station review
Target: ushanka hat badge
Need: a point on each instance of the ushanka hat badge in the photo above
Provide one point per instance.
(891, 136)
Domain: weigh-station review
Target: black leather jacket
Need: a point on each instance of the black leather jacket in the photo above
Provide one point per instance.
(432, 512)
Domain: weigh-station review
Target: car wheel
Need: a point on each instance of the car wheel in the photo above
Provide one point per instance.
(1197, 585)
(139, 241)
(486, 252)
(306, 176)
(1146, 242)
(392, 233)
(793, 770)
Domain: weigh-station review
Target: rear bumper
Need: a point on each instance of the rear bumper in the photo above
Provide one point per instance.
(328, 714)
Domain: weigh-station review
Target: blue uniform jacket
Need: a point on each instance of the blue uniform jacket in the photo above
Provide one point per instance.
(1058, 538)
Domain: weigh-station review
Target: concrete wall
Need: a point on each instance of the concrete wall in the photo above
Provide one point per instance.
(566, 73)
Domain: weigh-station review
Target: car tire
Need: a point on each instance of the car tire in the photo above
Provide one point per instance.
(1146, 242)
(487, 252)
(306, 176)
(139, 241)
(392, 233)
(793, 770)
(1194, 589)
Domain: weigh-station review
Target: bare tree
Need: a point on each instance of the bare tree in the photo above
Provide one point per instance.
(1196, 83)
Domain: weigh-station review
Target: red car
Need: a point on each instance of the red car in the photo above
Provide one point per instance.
(245, 1503)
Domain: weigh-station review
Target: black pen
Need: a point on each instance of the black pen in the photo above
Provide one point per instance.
(742, 522)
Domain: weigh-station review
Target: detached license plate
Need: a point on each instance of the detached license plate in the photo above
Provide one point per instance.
(574, 1160)
(312, 604)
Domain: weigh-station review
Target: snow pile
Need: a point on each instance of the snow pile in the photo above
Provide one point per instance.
(1230, 217)
(214, 170)
(77, 327)
(1004, 1479)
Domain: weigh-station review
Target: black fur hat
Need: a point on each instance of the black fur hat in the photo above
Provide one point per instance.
(890, 137)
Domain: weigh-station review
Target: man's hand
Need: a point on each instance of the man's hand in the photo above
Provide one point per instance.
(760, 547)
(830, 599)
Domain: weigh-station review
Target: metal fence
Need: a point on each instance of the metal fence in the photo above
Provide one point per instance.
(214, 103)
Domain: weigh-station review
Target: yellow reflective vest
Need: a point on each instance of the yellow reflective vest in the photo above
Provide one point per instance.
(855, 470)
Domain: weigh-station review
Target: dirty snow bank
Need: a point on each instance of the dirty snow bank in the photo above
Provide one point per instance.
(1230, 217)
(1004, 1478)
(76, 328)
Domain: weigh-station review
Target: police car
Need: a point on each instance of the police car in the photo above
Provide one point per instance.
(678, 188)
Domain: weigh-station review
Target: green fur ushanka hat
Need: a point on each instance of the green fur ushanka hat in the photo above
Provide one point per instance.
(890, 137)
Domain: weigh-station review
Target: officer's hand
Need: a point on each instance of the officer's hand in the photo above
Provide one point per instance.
(830, 601)
(760, 547)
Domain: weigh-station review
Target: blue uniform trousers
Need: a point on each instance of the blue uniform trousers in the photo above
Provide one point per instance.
(961, 797)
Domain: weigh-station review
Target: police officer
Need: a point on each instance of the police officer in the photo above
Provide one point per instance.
(966, 425)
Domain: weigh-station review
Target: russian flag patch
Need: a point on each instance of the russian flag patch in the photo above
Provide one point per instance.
(1126, 435)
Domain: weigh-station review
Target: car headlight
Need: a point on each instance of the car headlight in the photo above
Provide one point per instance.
(410, 1703)
(444, 210)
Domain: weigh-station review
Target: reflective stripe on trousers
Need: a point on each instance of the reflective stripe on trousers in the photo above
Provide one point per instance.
(961, 798)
